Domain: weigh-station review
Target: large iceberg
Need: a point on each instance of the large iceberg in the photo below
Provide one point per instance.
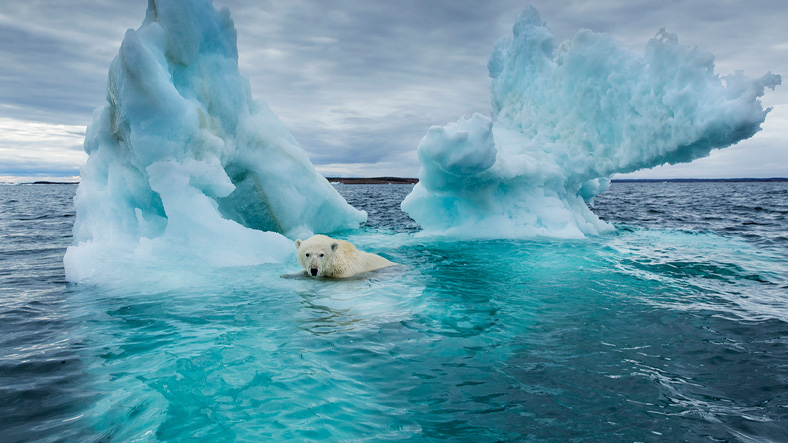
(184, 165)
(565, 119)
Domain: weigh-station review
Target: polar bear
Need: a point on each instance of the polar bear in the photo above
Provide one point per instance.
(323, 256)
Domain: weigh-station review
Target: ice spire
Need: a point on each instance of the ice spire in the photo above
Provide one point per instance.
(183, 161)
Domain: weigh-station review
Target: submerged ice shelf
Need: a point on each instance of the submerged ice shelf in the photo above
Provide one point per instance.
(565, 118)
(184, 165)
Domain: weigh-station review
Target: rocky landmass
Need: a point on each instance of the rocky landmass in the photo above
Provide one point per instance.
(373, 180)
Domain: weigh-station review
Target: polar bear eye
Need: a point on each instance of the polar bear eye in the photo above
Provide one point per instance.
(322, 255)
(307, 254)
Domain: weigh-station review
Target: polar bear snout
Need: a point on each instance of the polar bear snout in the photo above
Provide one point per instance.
(313, 271)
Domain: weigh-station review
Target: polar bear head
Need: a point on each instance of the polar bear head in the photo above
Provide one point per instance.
(317, 255)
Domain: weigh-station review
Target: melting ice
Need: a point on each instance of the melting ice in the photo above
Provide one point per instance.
(565, 119)
(184, 165)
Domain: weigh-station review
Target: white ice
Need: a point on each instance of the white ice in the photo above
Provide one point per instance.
(184, 166)
(565, 119)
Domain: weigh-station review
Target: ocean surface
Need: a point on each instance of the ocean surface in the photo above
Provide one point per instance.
(673, 328)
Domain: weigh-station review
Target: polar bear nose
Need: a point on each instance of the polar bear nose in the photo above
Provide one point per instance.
(313, 271)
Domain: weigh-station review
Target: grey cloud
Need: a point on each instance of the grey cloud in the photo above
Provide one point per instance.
(368, 140)
(362, 49)
(37, 169)
(369, 52)
(56, 56)
(360, 81)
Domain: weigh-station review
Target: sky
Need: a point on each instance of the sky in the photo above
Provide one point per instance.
(360, 82)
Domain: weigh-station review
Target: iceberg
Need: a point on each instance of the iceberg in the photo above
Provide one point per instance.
(184, 166)
(564, 119)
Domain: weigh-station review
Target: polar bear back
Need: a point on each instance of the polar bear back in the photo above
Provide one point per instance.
(350, 261)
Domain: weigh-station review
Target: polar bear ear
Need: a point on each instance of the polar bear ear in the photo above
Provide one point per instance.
(334, 246)
(298, 244)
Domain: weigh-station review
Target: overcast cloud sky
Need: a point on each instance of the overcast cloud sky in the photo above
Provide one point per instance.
(359, 82)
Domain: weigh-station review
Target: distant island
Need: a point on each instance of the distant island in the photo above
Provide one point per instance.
(43, 182)
(373, 180)
(410, 180)
(695, 180)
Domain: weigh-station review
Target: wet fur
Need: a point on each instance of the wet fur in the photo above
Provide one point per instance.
(341, 258)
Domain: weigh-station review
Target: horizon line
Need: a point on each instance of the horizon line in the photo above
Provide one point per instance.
(413, 180)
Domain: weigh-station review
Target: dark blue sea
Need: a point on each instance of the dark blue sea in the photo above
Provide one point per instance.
(673, 328)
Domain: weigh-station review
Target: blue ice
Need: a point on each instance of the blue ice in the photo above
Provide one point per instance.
(184, 166)
(564, 119)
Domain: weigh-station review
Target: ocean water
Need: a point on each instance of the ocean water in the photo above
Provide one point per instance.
(674, 328)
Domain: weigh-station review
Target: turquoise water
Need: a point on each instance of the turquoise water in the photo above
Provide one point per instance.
(675, 328)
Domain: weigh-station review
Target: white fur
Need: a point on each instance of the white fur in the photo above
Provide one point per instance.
(323, 256)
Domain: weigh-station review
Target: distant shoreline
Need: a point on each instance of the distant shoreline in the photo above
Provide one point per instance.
(48, 183)
(373, 180)
(410, 180)
(696, 180)
(405, 180)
